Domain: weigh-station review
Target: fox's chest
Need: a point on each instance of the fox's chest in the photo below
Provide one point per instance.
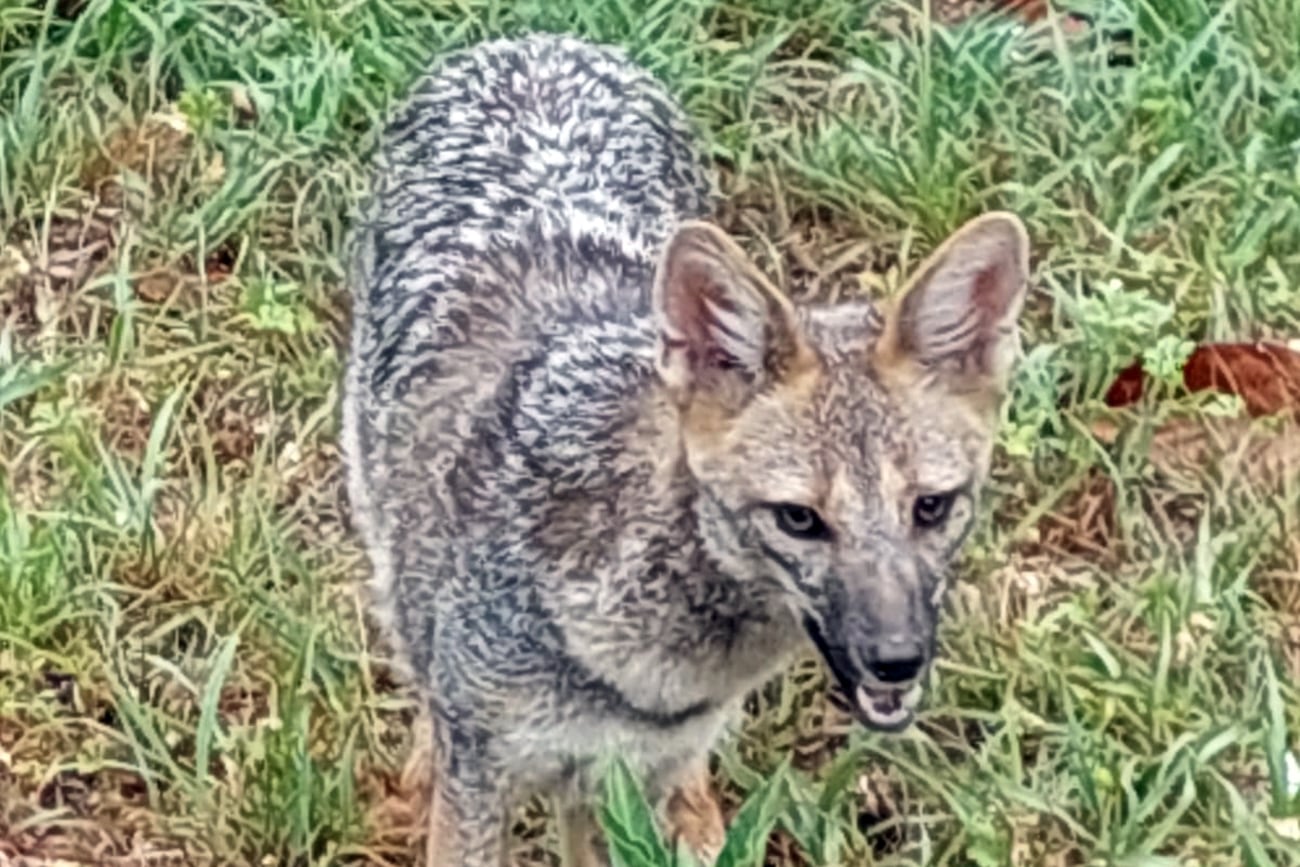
(674, 704)
(569, 761)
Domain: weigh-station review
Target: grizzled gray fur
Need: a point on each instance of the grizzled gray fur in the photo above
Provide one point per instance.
(609, 477)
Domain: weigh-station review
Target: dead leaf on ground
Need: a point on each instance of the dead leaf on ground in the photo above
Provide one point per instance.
(952, 12)
(1036, 16)
(1265, 375)
(219, 267)
(157, 285)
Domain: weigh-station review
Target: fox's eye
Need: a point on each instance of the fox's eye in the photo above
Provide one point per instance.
(800, 521)
(931, 510)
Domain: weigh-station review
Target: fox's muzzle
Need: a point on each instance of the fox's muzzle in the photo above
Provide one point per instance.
(877, 637)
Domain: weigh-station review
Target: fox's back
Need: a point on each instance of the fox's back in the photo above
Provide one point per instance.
(521, 197)
(512, 171)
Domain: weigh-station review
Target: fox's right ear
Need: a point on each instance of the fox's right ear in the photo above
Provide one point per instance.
(724, 330)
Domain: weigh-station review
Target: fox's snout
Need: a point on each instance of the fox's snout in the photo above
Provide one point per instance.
(878, 637)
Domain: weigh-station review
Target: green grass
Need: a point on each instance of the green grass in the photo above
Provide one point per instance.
(184, 662)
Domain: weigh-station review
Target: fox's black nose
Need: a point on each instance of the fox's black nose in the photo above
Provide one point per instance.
(897, 660)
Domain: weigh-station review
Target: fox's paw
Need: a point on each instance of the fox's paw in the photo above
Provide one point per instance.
(693, 817)
(400, 815)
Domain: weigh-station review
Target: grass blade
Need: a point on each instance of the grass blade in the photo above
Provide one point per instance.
(206, 730)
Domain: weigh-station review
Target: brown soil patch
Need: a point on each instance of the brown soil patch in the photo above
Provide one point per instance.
(811, 253)
(128, 418)
(232, 415)
(1083, 524)
(42, 267)
(156, 147)
(75, 811)
(41, 273)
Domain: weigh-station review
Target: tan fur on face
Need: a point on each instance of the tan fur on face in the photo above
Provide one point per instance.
(886, 410)
(942, 359)
(712, 433)
(896, 486)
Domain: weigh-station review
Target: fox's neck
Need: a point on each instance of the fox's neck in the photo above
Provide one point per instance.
(637, 586)
(683, 514)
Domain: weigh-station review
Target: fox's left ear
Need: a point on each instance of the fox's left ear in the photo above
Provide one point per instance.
(956, 320)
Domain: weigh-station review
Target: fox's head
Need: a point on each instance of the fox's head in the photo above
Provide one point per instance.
(839, 452)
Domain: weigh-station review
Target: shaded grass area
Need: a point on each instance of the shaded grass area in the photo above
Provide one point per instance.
(185, 667)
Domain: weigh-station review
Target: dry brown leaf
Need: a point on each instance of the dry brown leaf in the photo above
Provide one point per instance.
(1265, 375)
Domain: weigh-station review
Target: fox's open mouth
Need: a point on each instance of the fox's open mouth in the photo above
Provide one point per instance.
(876, 705)
(888, 708)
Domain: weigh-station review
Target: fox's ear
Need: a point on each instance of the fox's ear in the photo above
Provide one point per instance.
(724, 330)
(956, 320)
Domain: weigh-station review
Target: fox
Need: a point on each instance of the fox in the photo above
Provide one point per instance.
(608, 477)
